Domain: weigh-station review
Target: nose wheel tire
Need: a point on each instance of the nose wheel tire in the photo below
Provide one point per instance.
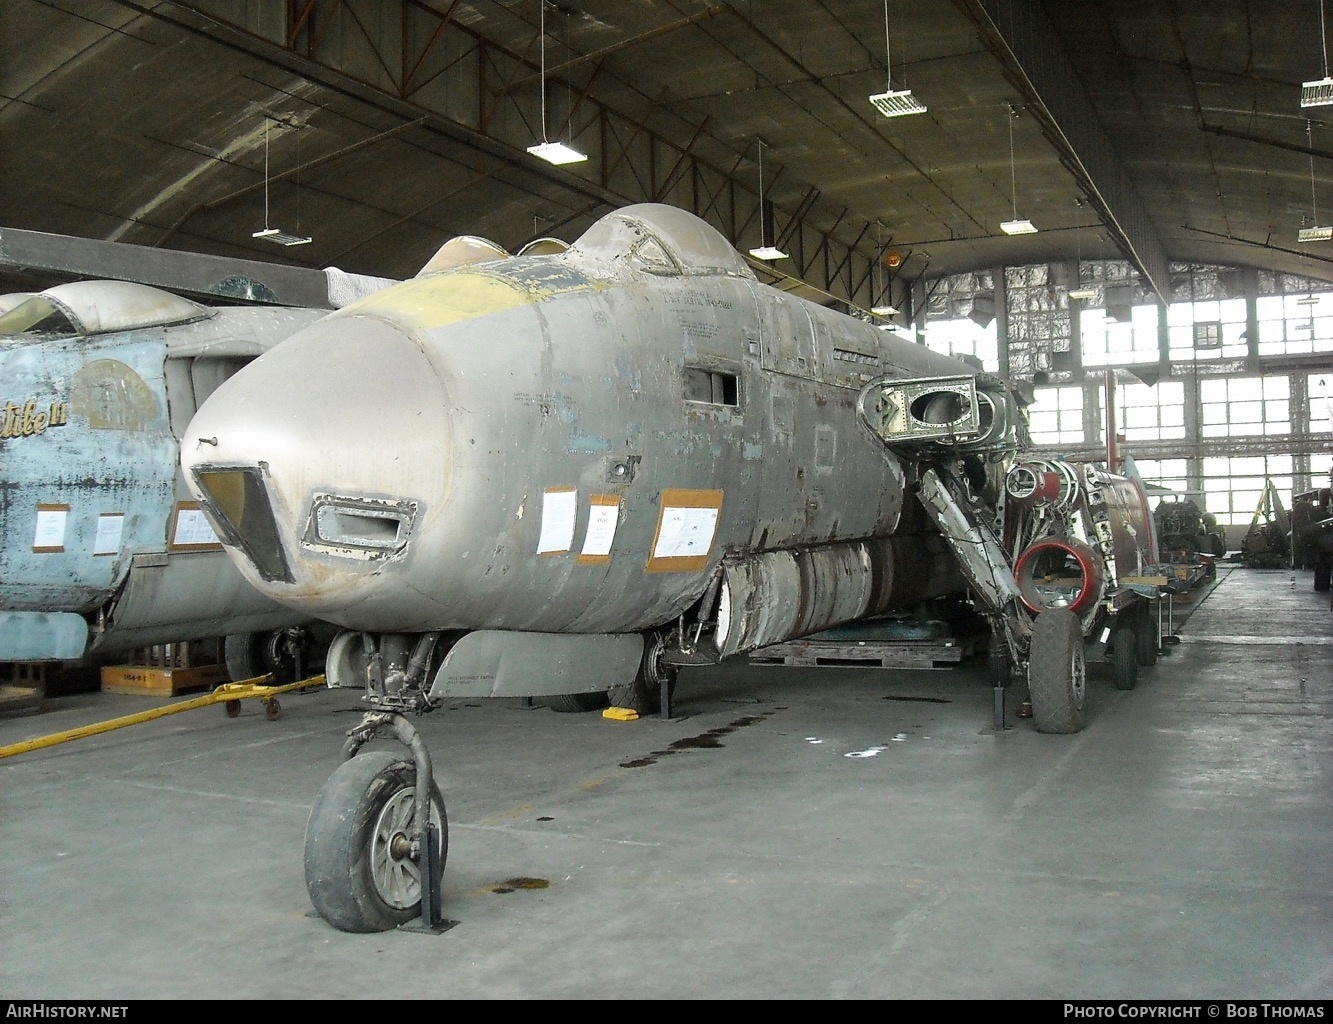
(1057, 672)
(361, 871)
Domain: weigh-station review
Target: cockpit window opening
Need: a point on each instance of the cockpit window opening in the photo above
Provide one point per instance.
(99, 307)
(693, 246)
(238, 501)
(650, 255)
(40, 314)
(712, 387)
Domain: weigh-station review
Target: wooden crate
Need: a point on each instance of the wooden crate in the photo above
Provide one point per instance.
(162, 682)
(813, 653)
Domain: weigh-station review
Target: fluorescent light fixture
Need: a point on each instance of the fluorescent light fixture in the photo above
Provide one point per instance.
(1082, 293)
(768, 252)
(1314, 234)
(897, 104)
(1317, 94)
(1307, 300)
(280, 237)
(884, 310)
(1021, 226)
(557, 153)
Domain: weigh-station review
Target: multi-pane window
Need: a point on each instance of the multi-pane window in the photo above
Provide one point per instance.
(1295, 324)
(1319, 388)
(1234, 485)
(1207, 329)
(1109, 342)
(1163, 477)
(1239, 406)
(1056, 416)
(1151, 413)
(965, 337)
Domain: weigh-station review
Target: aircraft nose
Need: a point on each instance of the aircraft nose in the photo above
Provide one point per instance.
(269, 454)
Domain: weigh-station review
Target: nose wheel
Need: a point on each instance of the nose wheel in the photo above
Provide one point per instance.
(371, 863)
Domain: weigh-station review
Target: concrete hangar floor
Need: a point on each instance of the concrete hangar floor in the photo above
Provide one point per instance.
(818, 833)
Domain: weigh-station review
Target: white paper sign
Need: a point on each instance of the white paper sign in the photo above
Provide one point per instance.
(558, 508)
(601, 529)
(109, 528)
(685, 532)
(50, 532)
(193, 528)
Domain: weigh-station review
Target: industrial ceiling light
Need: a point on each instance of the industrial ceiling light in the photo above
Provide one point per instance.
(883, 307)
(764, 250)
(276, 235)
(1311, 231)
(1019, 225)
(552, 152)
(1082, 293)
(1319, 93)
(891, 103)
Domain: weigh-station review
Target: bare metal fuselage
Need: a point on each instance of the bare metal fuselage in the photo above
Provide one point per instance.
(555, 444)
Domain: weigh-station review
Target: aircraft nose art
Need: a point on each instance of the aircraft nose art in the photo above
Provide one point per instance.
(352, 398)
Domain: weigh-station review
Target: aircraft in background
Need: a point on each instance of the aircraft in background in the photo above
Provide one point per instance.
(102, 549)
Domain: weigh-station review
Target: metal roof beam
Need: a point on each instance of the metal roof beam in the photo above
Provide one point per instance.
(1022, 37)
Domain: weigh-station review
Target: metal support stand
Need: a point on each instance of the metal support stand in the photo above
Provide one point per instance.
(432, 916)
(999, 706)
(1169, 637)
(664, 688)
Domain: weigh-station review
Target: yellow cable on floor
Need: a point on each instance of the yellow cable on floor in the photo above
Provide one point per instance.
(225, 692)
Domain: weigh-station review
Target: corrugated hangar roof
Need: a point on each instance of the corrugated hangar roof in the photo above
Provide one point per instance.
(1160, 132)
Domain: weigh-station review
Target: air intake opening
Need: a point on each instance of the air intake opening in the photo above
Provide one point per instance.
(940, 407)
(361, 527)
(1059, 572)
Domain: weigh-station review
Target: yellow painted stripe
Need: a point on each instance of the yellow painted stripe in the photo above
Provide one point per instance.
(440, 299)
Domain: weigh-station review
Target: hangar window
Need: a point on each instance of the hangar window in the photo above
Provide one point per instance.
(1295, 324)
(711, 387)
(1056, 416)
(1151, 413)
(1169, 474)
(1205, 329)
(1111, 342)
(1236, 406)
(1234, 486)
(965, 337)
(1319, 388)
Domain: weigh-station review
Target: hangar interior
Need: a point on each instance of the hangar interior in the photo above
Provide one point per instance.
(1121, 205)
(1172, 161)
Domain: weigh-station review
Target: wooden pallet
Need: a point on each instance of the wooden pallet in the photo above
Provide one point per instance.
(815, 653)
(22, 687)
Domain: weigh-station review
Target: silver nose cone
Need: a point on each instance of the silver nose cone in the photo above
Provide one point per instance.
(316, 460)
